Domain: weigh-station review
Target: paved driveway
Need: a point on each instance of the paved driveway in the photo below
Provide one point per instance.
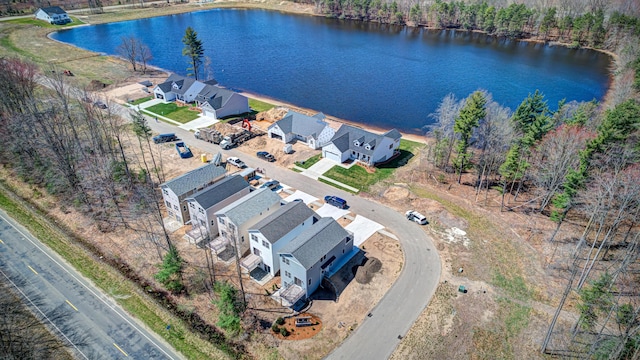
(362, 228)
(331, 211)
(319, 168)
(306, 198)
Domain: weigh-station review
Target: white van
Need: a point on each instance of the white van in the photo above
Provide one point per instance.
(413, 215)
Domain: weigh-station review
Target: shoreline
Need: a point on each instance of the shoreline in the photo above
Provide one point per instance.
(306, 9)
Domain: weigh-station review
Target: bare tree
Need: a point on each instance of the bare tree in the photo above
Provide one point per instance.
(128, 49)
(144, 56)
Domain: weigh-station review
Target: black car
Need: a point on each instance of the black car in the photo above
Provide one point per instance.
(100, 104)
(265, 156)
(163, 138)
(273, 184)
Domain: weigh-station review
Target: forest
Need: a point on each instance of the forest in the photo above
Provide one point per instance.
(572, 162)
(575, 22)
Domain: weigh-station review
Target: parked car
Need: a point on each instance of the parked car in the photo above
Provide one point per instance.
(163, 138)
(265, 156)
(273, 184)
(100, 104)
(336, 201)
(236, 162)
(413, 215)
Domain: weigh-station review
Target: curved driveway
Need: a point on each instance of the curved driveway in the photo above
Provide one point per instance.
(379, 334)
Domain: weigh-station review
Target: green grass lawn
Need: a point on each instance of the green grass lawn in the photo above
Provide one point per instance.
(181, 114)
(260, 106)
(309, 162)
(44, 24)
(359, 178)
(141, 100)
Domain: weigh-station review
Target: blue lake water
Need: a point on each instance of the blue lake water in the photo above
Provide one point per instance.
(380, 75)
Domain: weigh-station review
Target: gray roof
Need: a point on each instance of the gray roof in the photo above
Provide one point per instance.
(220, 191)
(250, 205)
(345, 137)
(194, 179)
(315, 242)
(53, 10)
(166, 86)
(285, 219)
(300, 124)
(216, 96)
(183, 85)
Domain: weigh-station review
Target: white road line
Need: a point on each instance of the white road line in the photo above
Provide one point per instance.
(112, 307)
(43, 314)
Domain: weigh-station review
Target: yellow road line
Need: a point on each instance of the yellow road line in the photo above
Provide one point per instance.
(70, 304)
(122, 351)
(35, 272)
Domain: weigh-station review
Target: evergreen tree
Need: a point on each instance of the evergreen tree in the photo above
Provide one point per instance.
(470, 115)
(193, 50)
(170, 274)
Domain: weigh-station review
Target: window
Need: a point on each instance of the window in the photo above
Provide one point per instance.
(221, 221)
(286, 261)
(287, 274)
(203, 223)
(213, 222)
(297, 281)
(168, 204)
(254, 238)
(309, 281)
(390, 146)
(165, 191)
(184, 207)
(201, 210)
(265, 244)
(346, 241)
(175, 207)
(193, 206)
(223, 233)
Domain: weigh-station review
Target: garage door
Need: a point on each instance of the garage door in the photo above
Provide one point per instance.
(332, 156)
(275, 136)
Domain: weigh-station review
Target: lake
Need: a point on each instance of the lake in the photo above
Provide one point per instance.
(382, 76)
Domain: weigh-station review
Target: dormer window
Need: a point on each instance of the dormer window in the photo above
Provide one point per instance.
(356, 143)
(367, 146)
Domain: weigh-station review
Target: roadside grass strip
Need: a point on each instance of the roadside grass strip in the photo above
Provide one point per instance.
(112, 282)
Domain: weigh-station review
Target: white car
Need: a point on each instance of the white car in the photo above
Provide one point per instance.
(236, 162)
(413, 215)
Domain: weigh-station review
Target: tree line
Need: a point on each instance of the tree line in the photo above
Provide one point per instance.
(575, 22)
(577, 159)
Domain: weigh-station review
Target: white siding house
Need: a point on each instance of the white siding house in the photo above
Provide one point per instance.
(204, 204)
(235, 219)
(294, 126)
(213, 100)
(273, 232)
(306, 259)
(357, 144)
(53, 15)
(176, 190)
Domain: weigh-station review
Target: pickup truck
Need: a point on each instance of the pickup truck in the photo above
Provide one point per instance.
(236, 162)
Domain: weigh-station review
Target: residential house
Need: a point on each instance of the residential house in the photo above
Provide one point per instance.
(235, 219)
(275, 231)
(354, 143)
(204, 204)
(216, 102)
(213, 100)
(312, 130)
(177, 190)
(53, 15)
(306, 259)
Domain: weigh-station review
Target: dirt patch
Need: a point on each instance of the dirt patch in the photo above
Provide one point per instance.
(299, 332)
(365, 273)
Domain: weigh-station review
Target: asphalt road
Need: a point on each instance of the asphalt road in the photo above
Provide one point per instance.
(91, 321)
(379, 334)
